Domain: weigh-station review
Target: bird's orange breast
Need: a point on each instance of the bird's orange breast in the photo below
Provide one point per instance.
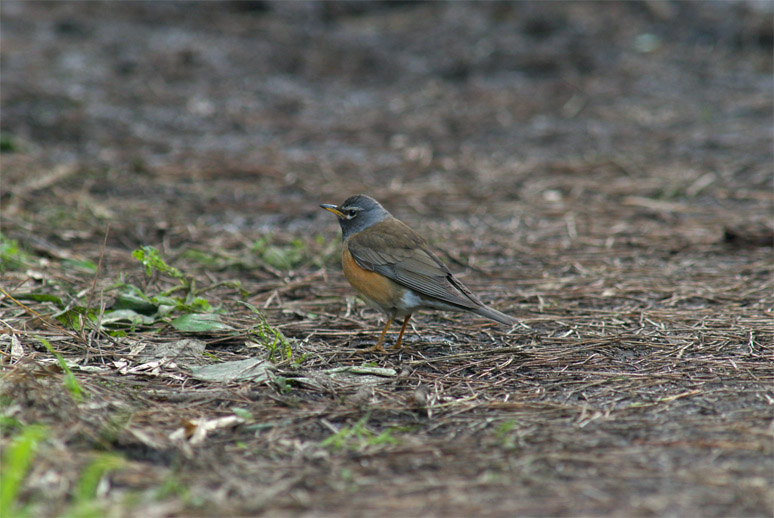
(376, 288)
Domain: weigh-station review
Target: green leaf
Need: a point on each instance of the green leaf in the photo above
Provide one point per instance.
(151, 259)
(126, 315)
(201, 304)
(165, 310)
(7, 143)
(283, 257)
(39, 297)
(73, 317)
(198, 323)
(80, 264)
(12, 257)
(132, 297)
(165, 300)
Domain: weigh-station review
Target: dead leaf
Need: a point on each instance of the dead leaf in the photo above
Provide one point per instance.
(251, 369)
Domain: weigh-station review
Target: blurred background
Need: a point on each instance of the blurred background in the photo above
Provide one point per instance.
(243, 116)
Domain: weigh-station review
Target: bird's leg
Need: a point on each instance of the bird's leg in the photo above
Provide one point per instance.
(400, 336)
(378, 346)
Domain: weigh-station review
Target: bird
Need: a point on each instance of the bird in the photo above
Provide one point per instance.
(392, 268)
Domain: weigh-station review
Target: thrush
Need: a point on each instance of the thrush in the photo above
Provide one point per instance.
(394, 271)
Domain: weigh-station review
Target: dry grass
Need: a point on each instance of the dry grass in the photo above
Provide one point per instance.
(631, 236)
(646, 370)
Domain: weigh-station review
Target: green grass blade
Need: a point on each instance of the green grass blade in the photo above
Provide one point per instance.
(70, 382)
(16, 462)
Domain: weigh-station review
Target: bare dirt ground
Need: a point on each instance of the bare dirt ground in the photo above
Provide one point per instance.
(603, 172)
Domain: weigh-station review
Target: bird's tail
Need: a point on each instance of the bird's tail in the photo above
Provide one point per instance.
(493, 314)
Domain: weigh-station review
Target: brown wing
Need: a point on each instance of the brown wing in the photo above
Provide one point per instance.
(394, 250)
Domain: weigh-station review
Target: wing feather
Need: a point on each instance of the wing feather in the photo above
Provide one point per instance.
(394, 250)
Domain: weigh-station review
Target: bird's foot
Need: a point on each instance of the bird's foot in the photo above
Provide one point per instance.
(374, 348)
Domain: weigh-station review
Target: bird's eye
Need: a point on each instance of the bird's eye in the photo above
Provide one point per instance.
(351, 213)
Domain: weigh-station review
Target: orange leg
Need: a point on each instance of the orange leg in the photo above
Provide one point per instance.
(378, 346)
(400, 336)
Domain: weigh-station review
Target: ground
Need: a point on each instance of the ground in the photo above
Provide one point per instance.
(602, 172)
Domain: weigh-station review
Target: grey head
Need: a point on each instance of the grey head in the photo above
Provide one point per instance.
(357, 213)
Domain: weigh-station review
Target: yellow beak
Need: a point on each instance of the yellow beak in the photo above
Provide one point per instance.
(333, 208)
